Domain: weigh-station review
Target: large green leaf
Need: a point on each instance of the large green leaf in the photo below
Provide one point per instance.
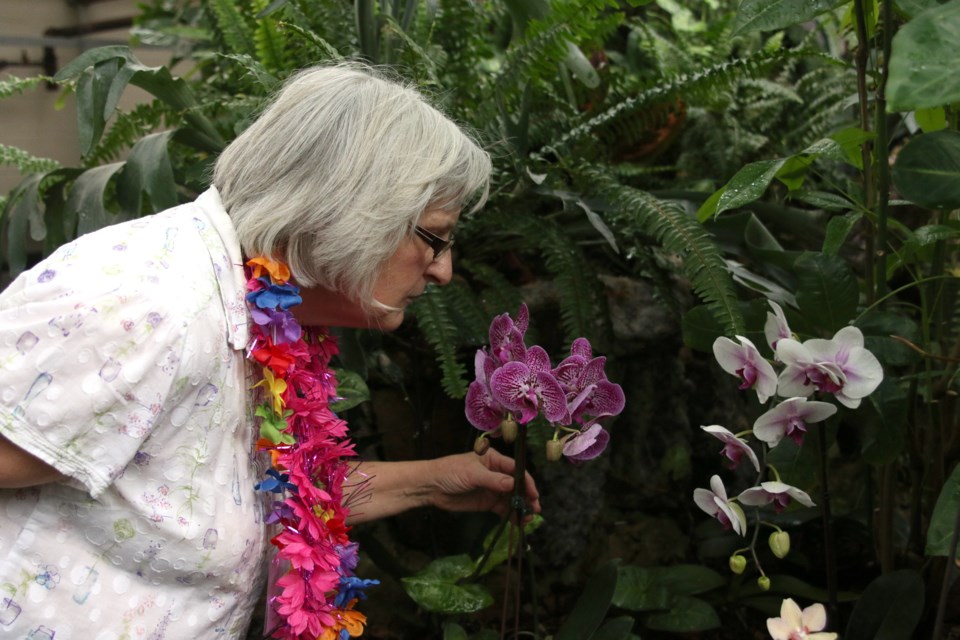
(889, 609)
(23, 204)
(591, 607)
(748, 184)
(689, 579)
(615, 629)
(827, 291)
(944, 517)
(351, 389)
(148, 170)
(924, 60)
(882, 431)
(86, 198)
(927, 170)
(766, 15)
(915, 7)
(93, 89)
(639, 590)
(436, 589)
(501, 550)
(688, 614)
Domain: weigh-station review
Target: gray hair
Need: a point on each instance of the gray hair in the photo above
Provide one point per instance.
(338, 169)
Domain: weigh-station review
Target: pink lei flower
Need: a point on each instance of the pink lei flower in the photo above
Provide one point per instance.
(307, 445)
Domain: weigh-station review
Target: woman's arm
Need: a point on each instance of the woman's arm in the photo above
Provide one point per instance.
(462, 482)
(21, 469)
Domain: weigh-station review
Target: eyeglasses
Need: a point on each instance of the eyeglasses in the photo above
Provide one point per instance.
(439, 245)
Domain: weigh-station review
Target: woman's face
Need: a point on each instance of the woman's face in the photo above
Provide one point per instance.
(404, 276)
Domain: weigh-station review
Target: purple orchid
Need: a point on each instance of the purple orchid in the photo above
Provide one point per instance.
(516, 382)
(584, 381)
(776, 492)
(734, 448)
(715, 503)
(840, 366)
(506, 337)
(789, 419)
(282, 327)
(483, 411)
(744, 361)
(776, 327)
(587, 444)
(528, 387)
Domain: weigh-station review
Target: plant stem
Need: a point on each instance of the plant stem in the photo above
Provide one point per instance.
(882, 146)
(828, 540)
(947, 571)
(863, 101)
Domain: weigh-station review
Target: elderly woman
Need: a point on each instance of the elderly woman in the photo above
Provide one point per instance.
(151, 371)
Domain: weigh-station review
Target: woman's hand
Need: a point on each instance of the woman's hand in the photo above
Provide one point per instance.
(460, 482)
(468, 482)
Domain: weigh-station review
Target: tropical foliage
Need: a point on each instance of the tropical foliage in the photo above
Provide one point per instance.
(728, 153)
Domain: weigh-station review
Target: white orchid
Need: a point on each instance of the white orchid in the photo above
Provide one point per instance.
(794, 624)
(840, 366)
(744, 361)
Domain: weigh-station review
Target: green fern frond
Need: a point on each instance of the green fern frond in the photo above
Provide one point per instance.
(437, 325)
(583, 305)
(690, 88)
(254, 69)
(470, 317)
(498, 294)
(25, 162)
(270, 42)
(679, 233)
(15, 86)
(322, 49)
(422, 61)
(232, 26)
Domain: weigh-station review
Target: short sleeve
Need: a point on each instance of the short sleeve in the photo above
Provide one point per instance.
(88, 363)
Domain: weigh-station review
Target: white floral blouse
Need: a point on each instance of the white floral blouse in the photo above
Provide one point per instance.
(122, 365)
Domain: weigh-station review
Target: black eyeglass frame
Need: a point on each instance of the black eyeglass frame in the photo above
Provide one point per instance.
(439, 246)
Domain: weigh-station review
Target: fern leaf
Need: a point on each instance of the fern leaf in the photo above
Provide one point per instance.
(499, 295)
(324, 49)
(681, 234)
(25, 162)
(270, 42)
(583, 305)
(15, 86)
(232, 26)
(254, 68)
(434, 320)
(688, 87)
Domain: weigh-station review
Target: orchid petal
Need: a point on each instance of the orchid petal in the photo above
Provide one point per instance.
(588, 444)
(482, 410)
(814, 617)
(581, 347)
(734, 447)
(523, 319)
(537, 359)
(776, 327)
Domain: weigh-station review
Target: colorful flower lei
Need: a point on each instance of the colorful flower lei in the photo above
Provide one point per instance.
(317, 589)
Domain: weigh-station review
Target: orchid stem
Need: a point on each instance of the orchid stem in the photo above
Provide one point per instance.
(829, 544)
(947, 573)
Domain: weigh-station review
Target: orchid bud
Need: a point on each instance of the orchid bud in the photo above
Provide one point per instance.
(780, 543)
(480, 445)
(508, 429)
(737, 563)
(764, 583)
(554, 450)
